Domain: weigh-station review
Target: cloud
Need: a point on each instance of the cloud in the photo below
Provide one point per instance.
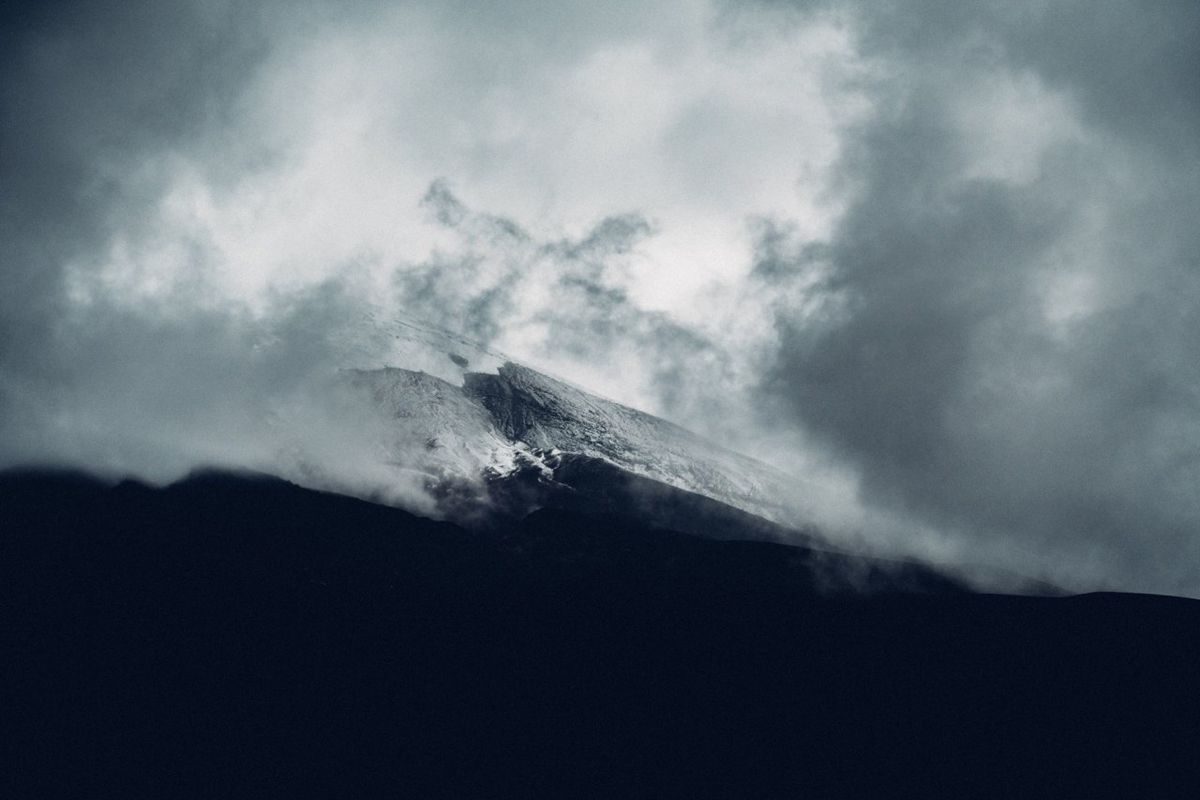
(563, 304)
(938, 258)
(1016, 287)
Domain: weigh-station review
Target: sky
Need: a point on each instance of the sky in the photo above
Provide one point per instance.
(937, 259)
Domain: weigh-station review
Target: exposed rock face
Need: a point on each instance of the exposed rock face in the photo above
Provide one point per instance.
(518, 440)
(494, 445)
(512, 409)
(545, 413)
(485, 434)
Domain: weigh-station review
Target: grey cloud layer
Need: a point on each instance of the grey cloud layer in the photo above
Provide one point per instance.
(92, 94)
(500, 281)
(85, 90)
(948, 376)
(999, 336)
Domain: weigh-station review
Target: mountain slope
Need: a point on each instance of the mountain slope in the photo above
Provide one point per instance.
(467, 416)
(247, 634)
(495, 426)
(545, 413)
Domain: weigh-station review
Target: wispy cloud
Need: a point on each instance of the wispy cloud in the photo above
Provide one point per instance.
(939, 258)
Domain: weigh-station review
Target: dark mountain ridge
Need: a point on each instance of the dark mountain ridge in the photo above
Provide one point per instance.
(241, 635)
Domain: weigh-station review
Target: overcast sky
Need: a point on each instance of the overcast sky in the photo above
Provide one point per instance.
(938, 258)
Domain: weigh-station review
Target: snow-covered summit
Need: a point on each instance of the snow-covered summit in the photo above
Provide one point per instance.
(545, 413)
(465, 416)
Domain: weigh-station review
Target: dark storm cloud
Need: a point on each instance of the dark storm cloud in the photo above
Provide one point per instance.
(997, 341)
(119, 348)
(86, 90)
(95, 98)
(947, 374)
(778, 257)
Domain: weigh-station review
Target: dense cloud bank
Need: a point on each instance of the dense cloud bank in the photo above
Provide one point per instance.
(940, 259)
(1013, 293)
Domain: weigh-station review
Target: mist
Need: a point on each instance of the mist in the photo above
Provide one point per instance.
(939, 263)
